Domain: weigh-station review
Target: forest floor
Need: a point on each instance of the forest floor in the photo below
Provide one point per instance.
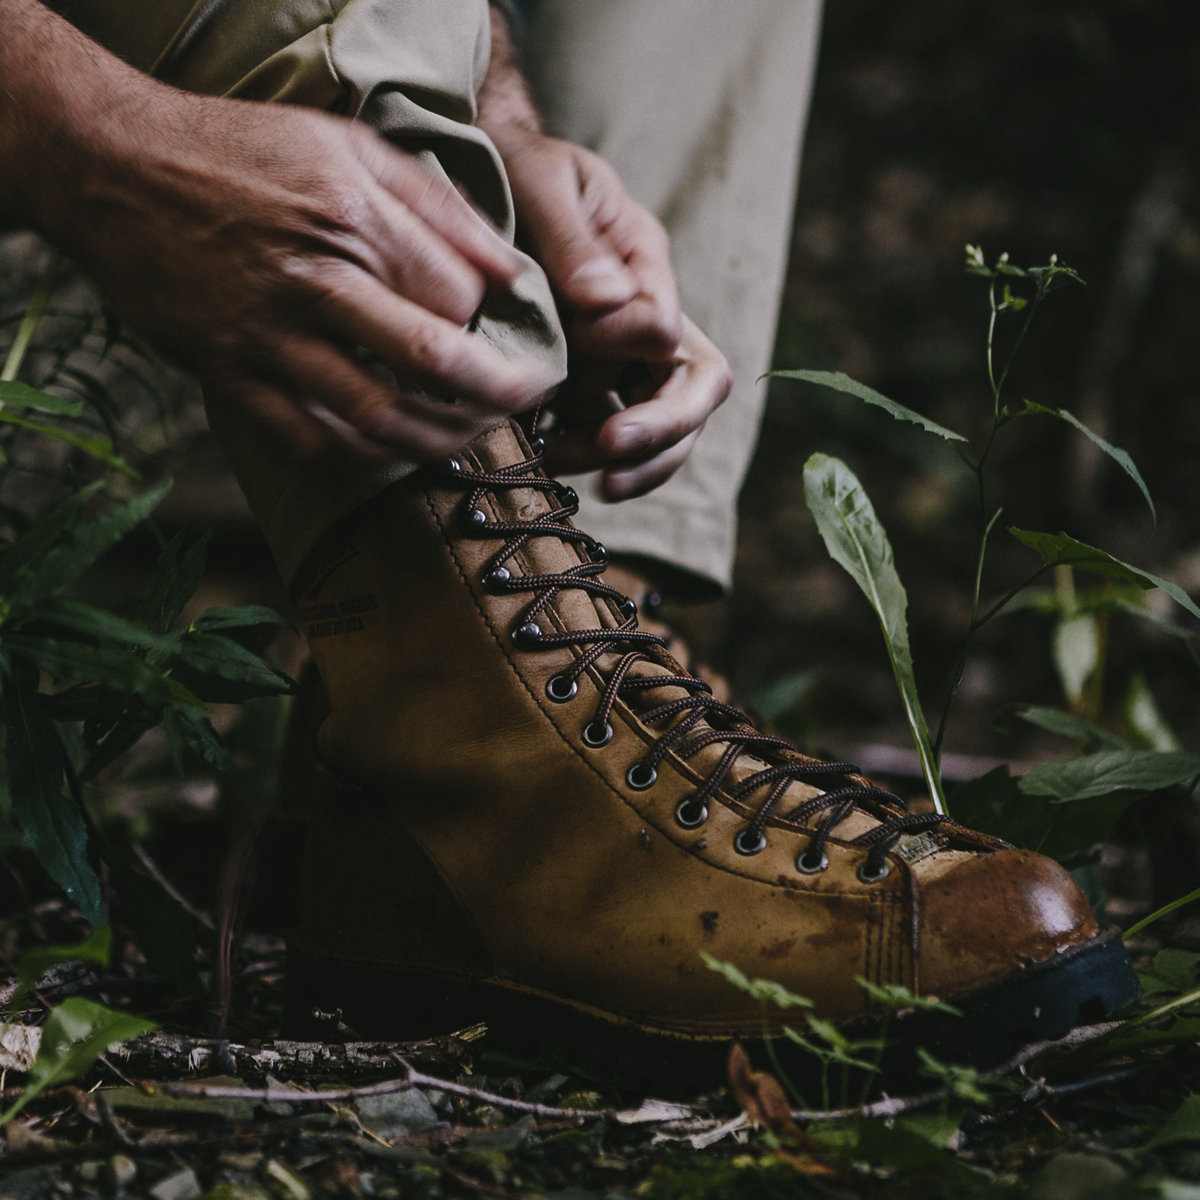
(934, 124)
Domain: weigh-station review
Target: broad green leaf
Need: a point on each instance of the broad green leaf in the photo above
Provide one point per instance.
(33, 777)
(75, 1034)
(1174, 971)
(21, 396)
(1097, 775)
(80, 541)
(1061, 549)
(1183, 1125)
(841, 382)
(1119, 456)
(1076, 651)
(857, 541)
(996, 804)
(1067, 725)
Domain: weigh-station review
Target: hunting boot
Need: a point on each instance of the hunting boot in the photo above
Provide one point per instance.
(535, 817)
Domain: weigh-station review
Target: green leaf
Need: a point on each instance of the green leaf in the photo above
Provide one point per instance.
(248, 616)
(23, 397)
(996, 804)
(1061, 549)
(840, 382)
(62, 614)
(180, 569)
(100, 448)
(34, 963)
(1183, 1125)
(75, 1034)
(1069, 726)
(766, 991)
(108, 665)
(1111, 771)
(220, 670)
(1119, 456)
(33, 778)
(857, 541)
(1174, 971)
(78, 541)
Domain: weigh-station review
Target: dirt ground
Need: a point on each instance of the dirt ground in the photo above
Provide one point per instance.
(1059, 128)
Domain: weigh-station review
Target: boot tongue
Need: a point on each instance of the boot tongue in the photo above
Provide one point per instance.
(576, 608)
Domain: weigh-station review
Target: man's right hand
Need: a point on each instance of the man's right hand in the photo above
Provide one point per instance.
(275, 251)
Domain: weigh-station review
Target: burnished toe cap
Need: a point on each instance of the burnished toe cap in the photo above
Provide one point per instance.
(992, 915)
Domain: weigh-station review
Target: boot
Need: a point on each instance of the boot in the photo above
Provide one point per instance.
(534, 817)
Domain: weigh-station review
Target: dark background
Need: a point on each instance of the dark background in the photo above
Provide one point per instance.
(1033, 128)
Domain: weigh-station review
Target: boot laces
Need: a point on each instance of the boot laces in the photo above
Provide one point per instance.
(696, 719)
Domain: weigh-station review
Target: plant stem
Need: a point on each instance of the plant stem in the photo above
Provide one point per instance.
(17, 351)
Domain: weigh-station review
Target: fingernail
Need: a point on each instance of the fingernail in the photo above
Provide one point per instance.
(603, 280)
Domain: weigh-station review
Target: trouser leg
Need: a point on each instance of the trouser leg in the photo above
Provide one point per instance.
(408, 68)
(700, 106)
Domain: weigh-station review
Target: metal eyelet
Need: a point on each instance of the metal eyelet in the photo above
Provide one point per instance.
(567, 497)
(453, 466)
(597, 552)
(641, 776)
(561, 688)
(495, 580)
(743, 845)
(691, 813)
(537, 446)
(528, 635)
(806, 866)
(475, 518)
(866, 876)
(627, 608)
(596, 736)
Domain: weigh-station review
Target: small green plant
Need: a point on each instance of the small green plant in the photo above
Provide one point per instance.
(1041, 808)
(80, 685)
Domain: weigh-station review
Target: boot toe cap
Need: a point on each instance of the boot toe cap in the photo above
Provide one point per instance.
(994, 914)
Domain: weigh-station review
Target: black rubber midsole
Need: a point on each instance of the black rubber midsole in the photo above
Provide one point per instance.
(1083, 985)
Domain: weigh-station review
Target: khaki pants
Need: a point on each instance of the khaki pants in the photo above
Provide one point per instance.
(699, 104)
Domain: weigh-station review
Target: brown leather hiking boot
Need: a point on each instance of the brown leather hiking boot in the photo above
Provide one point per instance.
(536, 818)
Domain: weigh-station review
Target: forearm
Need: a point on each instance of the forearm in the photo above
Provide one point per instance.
(65, 104)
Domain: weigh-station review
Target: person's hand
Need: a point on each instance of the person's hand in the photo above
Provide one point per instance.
(608, 261)
(284, 255)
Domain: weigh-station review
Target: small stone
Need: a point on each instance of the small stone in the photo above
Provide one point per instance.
(121, 1170)
(91, 1171)
(183, 1185)
(1079, 1177)
(397, 1113)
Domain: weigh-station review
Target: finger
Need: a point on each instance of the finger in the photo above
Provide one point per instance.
(626, 482)
(400, 248)
(696, 387)
(435, 200)
(366, 408)
(429, 350)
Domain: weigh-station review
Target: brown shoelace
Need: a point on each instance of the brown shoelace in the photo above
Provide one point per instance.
(699, 719)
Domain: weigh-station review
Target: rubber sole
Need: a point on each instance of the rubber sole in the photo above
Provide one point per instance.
(1042, 1001)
